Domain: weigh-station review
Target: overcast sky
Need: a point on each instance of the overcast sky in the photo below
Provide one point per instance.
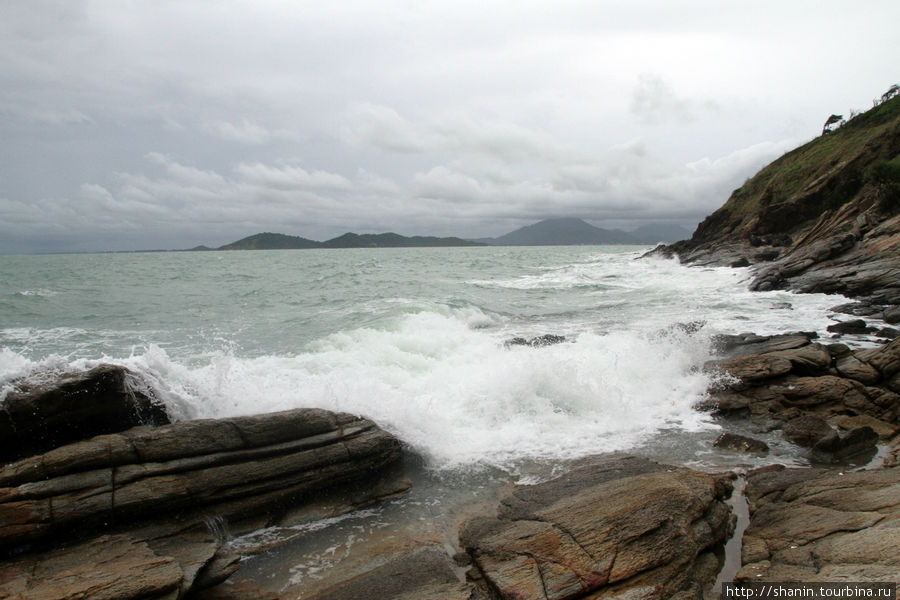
(146, 124)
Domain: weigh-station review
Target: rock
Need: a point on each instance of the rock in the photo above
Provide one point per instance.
(37, 417)
(115, 567)
(892, 314)
(836, 447)
(885, 359)
(232, 467)
(740, 443)
(818, 525)
(749, 343)
(857, 309)
(618, 526)
(853, 368)
(855, 326)
(536, 342)
(425, 572)
(884, 430)
(806, 430)
(888, 333)
(754, 368)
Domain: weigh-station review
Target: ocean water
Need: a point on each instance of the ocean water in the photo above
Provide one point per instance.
(415, 339)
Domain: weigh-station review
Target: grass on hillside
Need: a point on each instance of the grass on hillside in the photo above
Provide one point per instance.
(786, 177)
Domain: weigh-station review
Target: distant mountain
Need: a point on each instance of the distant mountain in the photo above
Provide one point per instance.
(561, 232)
(393, 240)
(271, 241)
(280, 241)
(550, 232)
(659, 232)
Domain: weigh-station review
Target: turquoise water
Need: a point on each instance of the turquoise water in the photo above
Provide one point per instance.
(414, 338)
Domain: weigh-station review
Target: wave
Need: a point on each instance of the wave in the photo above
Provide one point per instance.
(447, 386)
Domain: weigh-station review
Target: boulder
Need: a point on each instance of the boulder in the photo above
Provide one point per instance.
(37, 416)
(806, 430)
(740, 443)
(614, 526)
(818, 525)
(892, 314)
(749, 343)
(857, 309)
(854, 326)
(231, 467)
(884, 430)
(839, 446)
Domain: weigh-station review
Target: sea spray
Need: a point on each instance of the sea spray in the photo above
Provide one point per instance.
(459, 396)
(412, 338)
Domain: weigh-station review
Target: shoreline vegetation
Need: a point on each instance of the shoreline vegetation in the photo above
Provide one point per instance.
(152, 510)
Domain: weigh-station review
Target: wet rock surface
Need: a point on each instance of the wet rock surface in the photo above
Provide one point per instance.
(617, 525)
(140, 513)
(741, 443)
(232, 467)
(68, 407)
(822, 525)
(826, 397)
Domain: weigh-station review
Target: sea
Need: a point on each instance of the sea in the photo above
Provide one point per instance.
(417, 339)
(425, 342)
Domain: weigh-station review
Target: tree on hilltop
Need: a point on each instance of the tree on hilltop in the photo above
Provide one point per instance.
(831, 122)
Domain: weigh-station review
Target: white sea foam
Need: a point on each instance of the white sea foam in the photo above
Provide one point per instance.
(423, 356)
(455, 394)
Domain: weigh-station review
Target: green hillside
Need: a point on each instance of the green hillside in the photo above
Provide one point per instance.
(793, 191)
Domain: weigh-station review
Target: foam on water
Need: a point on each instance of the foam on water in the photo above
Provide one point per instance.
(456, 394)
(415, 341)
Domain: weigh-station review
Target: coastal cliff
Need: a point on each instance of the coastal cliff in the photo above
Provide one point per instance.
(824, 217)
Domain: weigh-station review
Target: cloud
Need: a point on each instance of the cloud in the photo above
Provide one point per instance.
(190, 122)
(46, 116)
(454, 132)
(654, 101)
(291, 178)
(245, 132)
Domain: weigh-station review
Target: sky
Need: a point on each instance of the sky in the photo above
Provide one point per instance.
(166, 124)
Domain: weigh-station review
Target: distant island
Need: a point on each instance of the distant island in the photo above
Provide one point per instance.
(549, 232)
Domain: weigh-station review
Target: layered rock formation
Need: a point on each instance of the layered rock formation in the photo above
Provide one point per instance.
(616, 527)
(815, 525)
(835, 401)
(147, 504)
(612, 526)
(784, 376)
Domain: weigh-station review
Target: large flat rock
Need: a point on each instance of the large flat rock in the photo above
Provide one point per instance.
(617, 525)
(818, 525)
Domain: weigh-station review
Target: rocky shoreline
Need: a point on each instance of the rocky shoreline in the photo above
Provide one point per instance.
(149, 510)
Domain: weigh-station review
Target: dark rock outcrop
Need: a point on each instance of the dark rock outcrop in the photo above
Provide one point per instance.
(816, 525)
(616, 526)
(139, 503)
(38, 416)
(740, 443)
(232, 467)
(806, 430)
(829, 382)
(837, 446)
